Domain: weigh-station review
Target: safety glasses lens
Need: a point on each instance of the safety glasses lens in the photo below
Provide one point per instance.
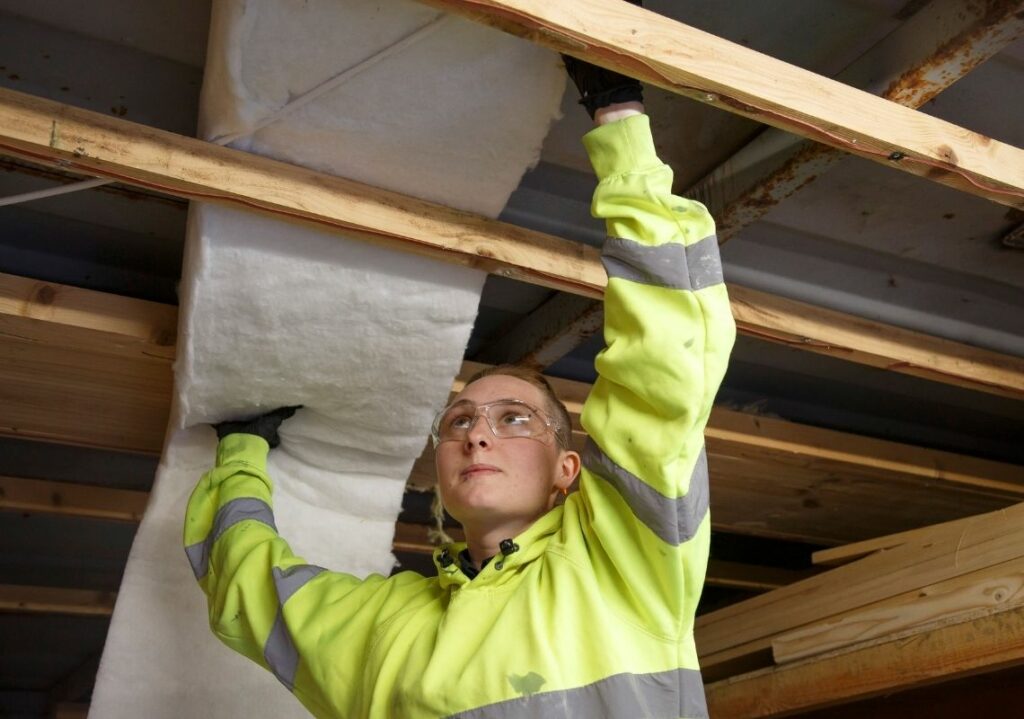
(506, 419)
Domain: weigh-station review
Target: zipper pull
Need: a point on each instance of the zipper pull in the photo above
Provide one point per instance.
(507, 548)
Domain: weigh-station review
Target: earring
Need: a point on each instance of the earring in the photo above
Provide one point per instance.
(565, 491)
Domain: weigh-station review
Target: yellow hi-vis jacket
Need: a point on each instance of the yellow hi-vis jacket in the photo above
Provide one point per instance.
(592, 615)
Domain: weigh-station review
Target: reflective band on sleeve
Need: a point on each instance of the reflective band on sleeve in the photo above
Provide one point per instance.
(290, 580)
(673, 519)
(671, 265)
(663, 695)
(280, 653)
(235, 511)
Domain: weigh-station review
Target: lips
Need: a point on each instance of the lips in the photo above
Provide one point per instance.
(478, 470)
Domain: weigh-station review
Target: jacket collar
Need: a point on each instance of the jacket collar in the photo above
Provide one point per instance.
(519, 552)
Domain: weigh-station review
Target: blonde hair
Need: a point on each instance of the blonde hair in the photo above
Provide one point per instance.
(554, 408)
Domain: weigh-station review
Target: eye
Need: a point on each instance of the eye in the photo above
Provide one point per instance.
(515, 419)
(458, 420)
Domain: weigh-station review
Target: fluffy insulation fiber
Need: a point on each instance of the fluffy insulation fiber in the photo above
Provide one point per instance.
(367, 339)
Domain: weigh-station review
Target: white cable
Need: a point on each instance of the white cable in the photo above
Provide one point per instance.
(52, 191)
(298, 102)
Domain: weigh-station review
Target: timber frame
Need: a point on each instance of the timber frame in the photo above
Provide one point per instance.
(82, 141)
(90, 354)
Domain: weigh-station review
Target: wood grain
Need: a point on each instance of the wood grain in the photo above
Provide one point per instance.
(95, 144)
(877, 577)
(56, 600)
(985, 643)
(734, 78)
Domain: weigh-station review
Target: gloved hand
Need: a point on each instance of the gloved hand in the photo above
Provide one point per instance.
(599, 87)
(265, 425)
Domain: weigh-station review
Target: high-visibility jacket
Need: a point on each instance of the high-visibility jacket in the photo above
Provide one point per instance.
(589, 612)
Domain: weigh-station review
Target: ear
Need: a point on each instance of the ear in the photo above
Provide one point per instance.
(568, 467)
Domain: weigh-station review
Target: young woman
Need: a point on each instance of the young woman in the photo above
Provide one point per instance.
(583, 609)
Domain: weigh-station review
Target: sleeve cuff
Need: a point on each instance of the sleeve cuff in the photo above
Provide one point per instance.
(247, 448)
(622, 146)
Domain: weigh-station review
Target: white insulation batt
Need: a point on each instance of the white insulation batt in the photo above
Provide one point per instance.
(368, 340)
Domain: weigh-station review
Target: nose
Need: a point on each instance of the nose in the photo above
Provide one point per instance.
(479, 433)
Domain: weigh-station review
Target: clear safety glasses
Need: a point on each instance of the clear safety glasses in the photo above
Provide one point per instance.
(505, 417)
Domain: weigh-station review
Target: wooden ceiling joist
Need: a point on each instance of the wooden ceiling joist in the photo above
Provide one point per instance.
(56, 600)
(734, 78)
(892, 664)
(71, 499)
(939, 44)
(767, 472)
(91, 143)
(84, 367)
(749, 628)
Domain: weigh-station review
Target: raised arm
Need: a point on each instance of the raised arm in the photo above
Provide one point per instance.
(668, 333)
(297, 620)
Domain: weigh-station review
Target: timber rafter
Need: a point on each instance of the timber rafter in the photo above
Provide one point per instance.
(95, 144)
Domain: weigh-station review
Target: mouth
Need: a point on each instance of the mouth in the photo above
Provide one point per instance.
(478, 470)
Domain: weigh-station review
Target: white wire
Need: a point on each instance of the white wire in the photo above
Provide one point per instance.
(52, 191)
(303, 99)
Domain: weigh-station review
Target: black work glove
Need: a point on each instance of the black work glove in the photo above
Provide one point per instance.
(599, 87)
(265, 425)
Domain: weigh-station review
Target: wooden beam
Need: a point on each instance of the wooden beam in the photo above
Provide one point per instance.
(105, 146)
(937, 46)
(942, 42)
(835, 334)
(779, 442)
(983, 644)
(989, 590)
(71, 710)
(77, 500)
(91, 143)
(731, 77)
(121, 401)
(55, 600)
(750, 577)
(750, 625)
(78, 319)
(84, 367)
(547, 334)
(835, 556)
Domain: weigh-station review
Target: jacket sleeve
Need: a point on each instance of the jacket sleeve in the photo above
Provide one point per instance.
(265, 602)
(668, 331)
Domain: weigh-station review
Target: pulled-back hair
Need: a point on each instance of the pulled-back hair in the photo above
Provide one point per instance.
(554, 408)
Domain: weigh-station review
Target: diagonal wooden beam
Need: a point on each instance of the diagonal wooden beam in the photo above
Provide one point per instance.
(731, 77)
(937, 46)
(112, 147)
(91, 143)
(941, 43)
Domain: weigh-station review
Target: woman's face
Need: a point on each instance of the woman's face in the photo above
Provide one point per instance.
(486, 479)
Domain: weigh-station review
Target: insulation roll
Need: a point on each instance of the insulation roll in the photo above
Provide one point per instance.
(368, 340)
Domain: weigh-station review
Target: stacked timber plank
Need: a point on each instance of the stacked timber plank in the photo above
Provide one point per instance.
(916, 607)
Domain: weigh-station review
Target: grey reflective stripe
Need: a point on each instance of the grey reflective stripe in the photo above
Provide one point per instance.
(672, 265)
(235, 511)
(288, 581)
(663, 695)
(280, 653)
(674, 519)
